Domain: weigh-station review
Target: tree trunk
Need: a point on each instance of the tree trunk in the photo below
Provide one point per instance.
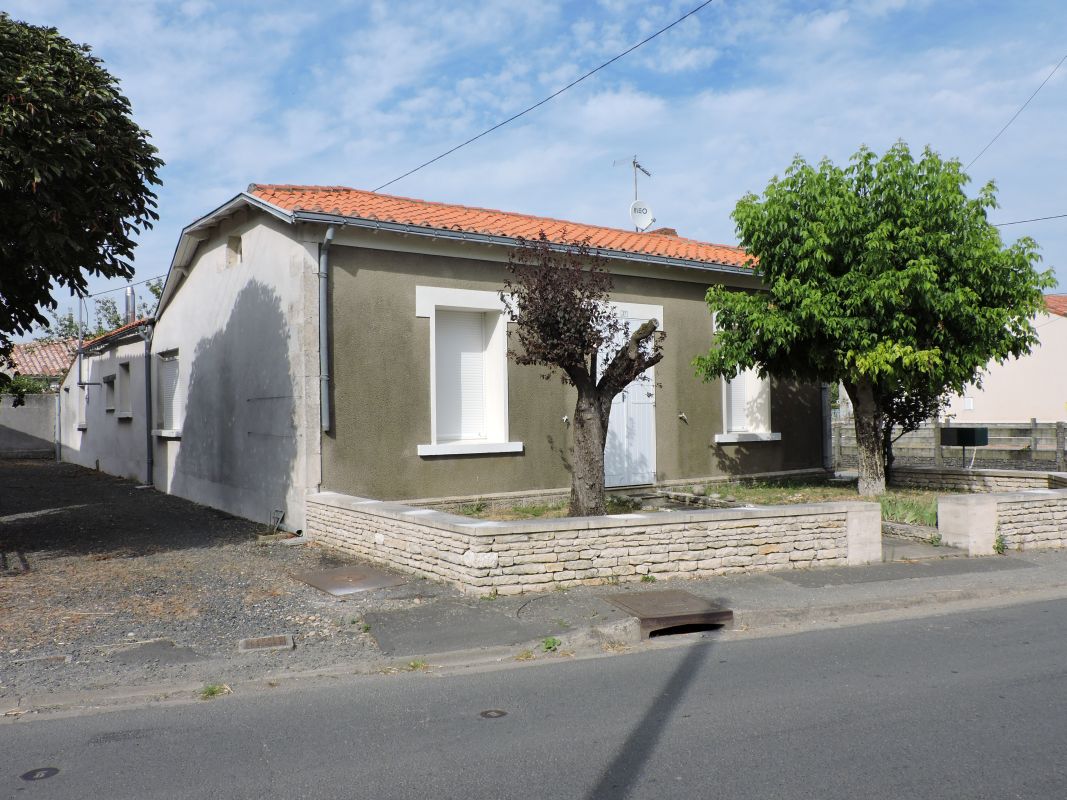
(587, 471)
(870, 442)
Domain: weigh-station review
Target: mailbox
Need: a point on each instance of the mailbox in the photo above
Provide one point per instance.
(964, 437)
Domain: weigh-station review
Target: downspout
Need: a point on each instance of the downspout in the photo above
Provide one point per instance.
(149, 444)
(324, 328)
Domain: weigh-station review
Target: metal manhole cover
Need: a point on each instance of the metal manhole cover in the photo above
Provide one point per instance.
(349, 580)
(281, 641)
(670, 608)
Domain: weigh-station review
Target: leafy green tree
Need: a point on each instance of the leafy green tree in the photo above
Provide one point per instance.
(75, 174)
(155, 287)
(558, 301)
(883, 275)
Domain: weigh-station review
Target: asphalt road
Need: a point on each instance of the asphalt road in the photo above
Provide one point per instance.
(969, 706)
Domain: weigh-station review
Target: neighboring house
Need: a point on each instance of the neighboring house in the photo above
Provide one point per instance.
(46, 361)
(324, 338)
(102, 404)
(1031, 387)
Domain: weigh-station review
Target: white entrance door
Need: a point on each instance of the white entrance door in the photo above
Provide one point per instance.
(630, 454)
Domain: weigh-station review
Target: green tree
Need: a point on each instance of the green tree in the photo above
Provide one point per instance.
(883, 275)
(558, 300)
(75, 174)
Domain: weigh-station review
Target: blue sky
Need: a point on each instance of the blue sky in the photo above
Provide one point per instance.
(358, 92)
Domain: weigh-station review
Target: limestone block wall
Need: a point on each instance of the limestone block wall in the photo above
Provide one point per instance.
(973, 480)
(1026, 520)
(533, 555)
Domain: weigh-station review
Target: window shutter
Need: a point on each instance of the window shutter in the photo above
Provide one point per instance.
(736, 419)
(170, 397)
(460, 375)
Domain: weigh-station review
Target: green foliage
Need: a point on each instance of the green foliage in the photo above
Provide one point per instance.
(999, 545)
(621, 504)
(550, 644)
(883, 275)
(648, 579)
(24, 384)
(75, 174)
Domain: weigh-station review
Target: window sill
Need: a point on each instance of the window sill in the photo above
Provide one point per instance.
(124, 415)
(109, 410)
(469, 448)
(746, 436)
(167, 433)
(81, 427)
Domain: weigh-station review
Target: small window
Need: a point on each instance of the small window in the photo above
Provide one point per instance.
(125, 401)
(171, 392)
(736, 415)
(233, 251)
(109, 393)
(968, 404)
(460, 376)
(747, 410)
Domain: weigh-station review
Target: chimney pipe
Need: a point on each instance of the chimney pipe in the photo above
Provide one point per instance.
(131, 305)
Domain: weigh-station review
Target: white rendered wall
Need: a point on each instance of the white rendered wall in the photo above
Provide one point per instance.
(248, 355)
(1034, 386)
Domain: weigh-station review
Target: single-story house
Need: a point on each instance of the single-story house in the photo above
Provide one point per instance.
(1031, 387)
(313, 338)
(46, 361)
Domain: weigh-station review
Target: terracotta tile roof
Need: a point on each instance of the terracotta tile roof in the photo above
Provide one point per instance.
(343, 201)
(44, 358)
(116, 332)
(1056, 304)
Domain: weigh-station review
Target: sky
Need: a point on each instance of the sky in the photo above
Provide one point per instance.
(356, 93)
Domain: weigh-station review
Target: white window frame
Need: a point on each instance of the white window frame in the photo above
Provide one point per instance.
(428, 301)
(108, 383)
(757, 411)
(124, 394)
(174, 432)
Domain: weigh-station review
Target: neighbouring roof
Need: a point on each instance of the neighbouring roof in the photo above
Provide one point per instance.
(356, 203)
(1056, 304)
(117, 333)
(45, 359)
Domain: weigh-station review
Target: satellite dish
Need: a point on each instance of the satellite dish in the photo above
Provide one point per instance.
(641, 215)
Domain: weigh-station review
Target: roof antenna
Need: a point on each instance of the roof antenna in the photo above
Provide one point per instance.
(640, 213)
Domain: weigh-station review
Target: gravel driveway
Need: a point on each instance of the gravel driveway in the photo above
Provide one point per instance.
(99, 570)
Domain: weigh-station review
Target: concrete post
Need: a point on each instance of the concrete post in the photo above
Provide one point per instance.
(839, 433)
(863, 521)
(939, 460)
(1033, 440)
(1061, 447)
(968, 521)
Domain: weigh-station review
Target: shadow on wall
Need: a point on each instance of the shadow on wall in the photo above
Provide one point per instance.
(239, 432)
(796, 412)
(28, 431)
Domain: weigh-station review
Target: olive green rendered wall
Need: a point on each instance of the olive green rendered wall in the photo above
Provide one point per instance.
(381, 391)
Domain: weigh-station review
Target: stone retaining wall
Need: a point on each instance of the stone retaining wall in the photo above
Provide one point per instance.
(974, 480)
(1026, 520)
(534, 555)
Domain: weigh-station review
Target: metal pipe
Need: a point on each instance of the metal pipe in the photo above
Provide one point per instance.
(324, 328)
(149, 445)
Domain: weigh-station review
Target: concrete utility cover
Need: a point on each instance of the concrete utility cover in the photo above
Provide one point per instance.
(670, 608)
(349, 580)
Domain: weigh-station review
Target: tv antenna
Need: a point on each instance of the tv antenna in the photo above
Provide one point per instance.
(640, 213)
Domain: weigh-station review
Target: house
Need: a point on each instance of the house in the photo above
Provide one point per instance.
(324, 338)
(1021, 389)
(46, 361)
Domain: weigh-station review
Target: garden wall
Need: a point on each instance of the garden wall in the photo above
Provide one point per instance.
(28, 431)
(1026, 520)
(534, 555)
(974, 480)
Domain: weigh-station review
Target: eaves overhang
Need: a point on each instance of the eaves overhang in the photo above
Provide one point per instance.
(447, 234)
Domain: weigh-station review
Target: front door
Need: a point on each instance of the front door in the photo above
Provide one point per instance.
(630, 453)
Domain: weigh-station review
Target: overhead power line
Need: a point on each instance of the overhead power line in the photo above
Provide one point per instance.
(555, 94)
(1035, 219)
(1017, 113)
(123, 288)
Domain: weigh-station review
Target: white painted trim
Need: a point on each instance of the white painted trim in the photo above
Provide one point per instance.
(641, 311)
(469, 448)
(735, 438)
(427, 298)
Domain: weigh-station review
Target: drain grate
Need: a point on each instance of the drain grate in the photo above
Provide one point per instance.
(670, 611)
(282, 641)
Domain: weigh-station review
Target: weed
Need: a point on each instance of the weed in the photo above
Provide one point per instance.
(935, 540)
(214, 690)
(418, 665)
(999, 545)
(620, 504)
(493, 595)
(612, 580)
(648, 579)
(365, 627)
(473, 509)
(550, 644)
(615, 646)
(525, 655)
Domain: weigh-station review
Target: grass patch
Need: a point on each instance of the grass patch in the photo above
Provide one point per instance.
(213, 690)
(550, 644)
